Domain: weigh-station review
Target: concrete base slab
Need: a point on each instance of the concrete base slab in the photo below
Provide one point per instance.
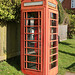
(69, 73)
(2, 58)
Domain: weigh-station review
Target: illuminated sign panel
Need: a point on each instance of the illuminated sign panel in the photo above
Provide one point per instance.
(33, 3)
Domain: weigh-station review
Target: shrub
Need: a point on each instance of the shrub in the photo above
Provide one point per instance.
(61, 12)
(71, 26)
(7, 11)
(70, 11)
(10, 10)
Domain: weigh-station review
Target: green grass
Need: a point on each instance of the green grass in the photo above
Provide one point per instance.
(11, 67)
(66, 60)
(67, 56)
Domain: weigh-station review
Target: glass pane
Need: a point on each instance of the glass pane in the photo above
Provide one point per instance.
(25, 30)
(39, 52)
(53, 44)
(32, 30)
(25, 14)
(52, 58)
(32, 58)
(39, 29)
(52, 51)
(25, 37)
(32, 51)
(39, 66)
(25, 22)
(39, 44)
(39, 60)
(40, 15)
(32, 14)
(52, 65)
(32, 66)
(33, 37)
(53, 37)
(25, 64)
(53, 15)
(39, 36)
(53, 30)
(32, 22)
(39, 22)
(53, 23)
(25, 57)
(32, 44)
(25, 43)
(25, 50)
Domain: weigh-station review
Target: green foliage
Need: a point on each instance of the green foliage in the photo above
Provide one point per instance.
(71, 26)
(72, 19)
(70, 11)
(9, 11)
(65, 18)
(61, 12)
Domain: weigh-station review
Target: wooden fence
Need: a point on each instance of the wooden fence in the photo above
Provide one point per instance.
(9, 41)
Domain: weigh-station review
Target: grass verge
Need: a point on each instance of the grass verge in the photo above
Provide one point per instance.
(66, 56)
(11, 67)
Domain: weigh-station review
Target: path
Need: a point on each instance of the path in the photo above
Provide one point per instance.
(69, 73)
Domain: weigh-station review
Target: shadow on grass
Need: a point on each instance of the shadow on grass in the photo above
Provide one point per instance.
(15, 62)
(65, 43)
(71, 67)
(67, 53)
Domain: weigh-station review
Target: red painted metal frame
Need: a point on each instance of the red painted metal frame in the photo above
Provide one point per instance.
(26, 70)
(45, 38)
(54, 70)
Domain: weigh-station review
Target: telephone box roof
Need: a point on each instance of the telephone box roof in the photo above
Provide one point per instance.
(53, 1)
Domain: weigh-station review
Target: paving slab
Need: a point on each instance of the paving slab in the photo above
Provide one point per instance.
(2, 58)
(69, 73)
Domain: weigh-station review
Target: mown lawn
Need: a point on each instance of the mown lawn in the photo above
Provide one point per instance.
(66, 60)
(67, 56)
(11, 67)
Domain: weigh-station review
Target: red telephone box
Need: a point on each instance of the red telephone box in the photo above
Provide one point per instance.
(39, 37)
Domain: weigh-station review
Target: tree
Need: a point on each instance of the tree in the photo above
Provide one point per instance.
(9, 10)
(71, 26)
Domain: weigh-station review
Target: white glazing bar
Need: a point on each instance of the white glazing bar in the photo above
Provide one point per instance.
(33, 3)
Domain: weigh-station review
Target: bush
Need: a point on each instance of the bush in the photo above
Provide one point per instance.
(71, 26)
(7, 11)
(61, 12)
(10, 11)
(70, 11)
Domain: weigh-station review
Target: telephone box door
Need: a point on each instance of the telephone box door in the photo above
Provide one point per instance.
(53, 51)
(31, 42)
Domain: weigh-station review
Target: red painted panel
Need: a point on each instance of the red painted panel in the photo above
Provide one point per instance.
(32, 0)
